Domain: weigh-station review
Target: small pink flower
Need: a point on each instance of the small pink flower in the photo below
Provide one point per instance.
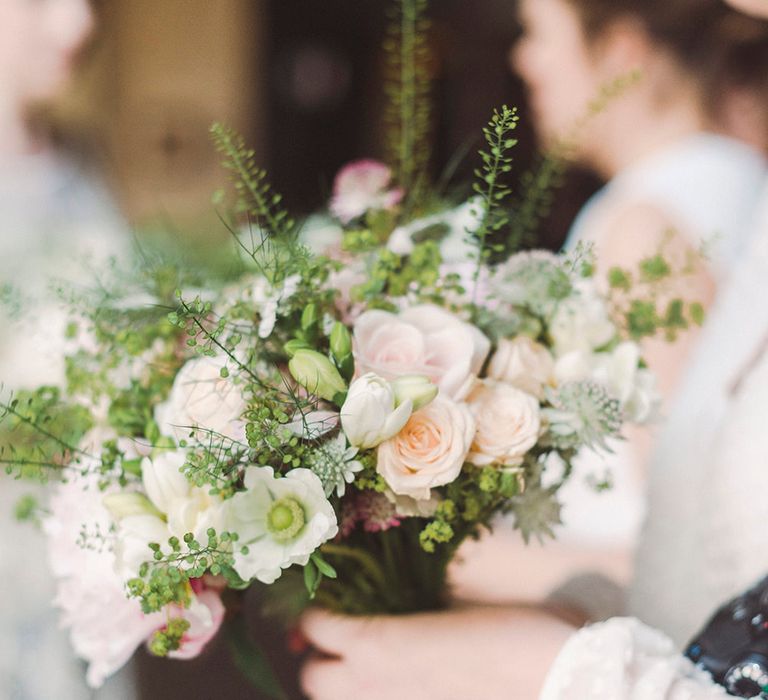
(372, 509)
(360, 187)
(205, 615)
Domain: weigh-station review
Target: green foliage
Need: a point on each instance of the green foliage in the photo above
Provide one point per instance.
(393, 275)
(643, 303)
(489, 186)
(164, 580)
(255, 195)
(408, 113)
(27, 509)
(534, 201)
(168, 638)
(40, 432)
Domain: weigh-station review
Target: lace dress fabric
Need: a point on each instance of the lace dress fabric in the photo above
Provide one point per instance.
(622, 659)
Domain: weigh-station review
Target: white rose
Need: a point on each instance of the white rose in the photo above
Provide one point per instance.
(429, 451)
(369, 415)
(581, 322)
(508, 424)
(281, 521)
(523, 363)
(202, 398)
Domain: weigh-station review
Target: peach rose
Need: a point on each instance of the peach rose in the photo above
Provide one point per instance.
(424, 340)
(508, 424)
(523, 363)
(429, 451)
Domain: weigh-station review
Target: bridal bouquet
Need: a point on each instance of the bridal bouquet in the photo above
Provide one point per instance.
(374, 386)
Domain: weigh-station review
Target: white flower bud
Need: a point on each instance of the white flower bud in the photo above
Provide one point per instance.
(369, 415)
(416, 387)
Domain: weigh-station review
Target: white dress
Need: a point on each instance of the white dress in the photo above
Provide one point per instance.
(711, 186)
(53, 217)
(706, 539)
(708, 511)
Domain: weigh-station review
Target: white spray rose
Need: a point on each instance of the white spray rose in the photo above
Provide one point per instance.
(581, 322)
(202, 398)
(523, 363)
(508, 423)
(280, 522)
(369, 415)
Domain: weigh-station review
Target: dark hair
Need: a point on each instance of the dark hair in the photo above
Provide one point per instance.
(720, 46)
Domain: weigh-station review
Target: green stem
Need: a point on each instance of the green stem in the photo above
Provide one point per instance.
(251, 660)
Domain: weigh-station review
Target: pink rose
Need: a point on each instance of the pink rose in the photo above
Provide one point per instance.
(508, 424)
(425, 340)
(523, 363)
(429, 451)
(360, 187)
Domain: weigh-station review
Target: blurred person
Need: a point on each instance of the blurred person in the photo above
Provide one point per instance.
(677, 183)
(704, 541)
(54, 215)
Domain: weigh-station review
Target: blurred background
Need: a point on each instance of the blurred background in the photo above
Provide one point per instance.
(302, 80)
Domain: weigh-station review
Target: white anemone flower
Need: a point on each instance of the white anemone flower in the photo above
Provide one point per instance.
(279, 522)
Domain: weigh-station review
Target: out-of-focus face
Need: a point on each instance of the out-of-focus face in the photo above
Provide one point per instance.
(759, 8)
(554, 60)
(39, 41)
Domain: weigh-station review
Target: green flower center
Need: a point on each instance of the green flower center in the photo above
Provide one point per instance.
(285, 519)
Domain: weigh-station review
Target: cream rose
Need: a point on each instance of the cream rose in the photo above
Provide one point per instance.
(508, 424)
(424, 340)
(523, 363)
(202, 398)
(429, 451)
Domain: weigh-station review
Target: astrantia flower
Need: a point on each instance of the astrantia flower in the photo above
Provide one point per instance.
(373, 510)
(335, 464)
(279, 521)
(536, 280)
(620, 371)
(583, 413)
(360, 187)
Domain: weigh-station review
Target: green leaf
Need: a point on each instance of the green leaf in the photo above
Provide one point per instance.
(251, 660)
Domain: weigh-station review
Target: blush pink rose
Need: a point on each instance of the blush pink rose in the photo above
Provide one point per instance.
(508, 424)
(425, 340)
(362, 186)
(429, 451)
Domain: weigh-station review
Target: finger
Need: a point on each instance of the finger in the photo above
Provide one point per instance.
(336, 635)
(326, 680)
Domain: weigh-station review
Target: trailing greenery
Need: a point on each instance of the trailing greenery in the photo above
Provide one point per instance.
(255, 195)
(489, 186)
(408, 112)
